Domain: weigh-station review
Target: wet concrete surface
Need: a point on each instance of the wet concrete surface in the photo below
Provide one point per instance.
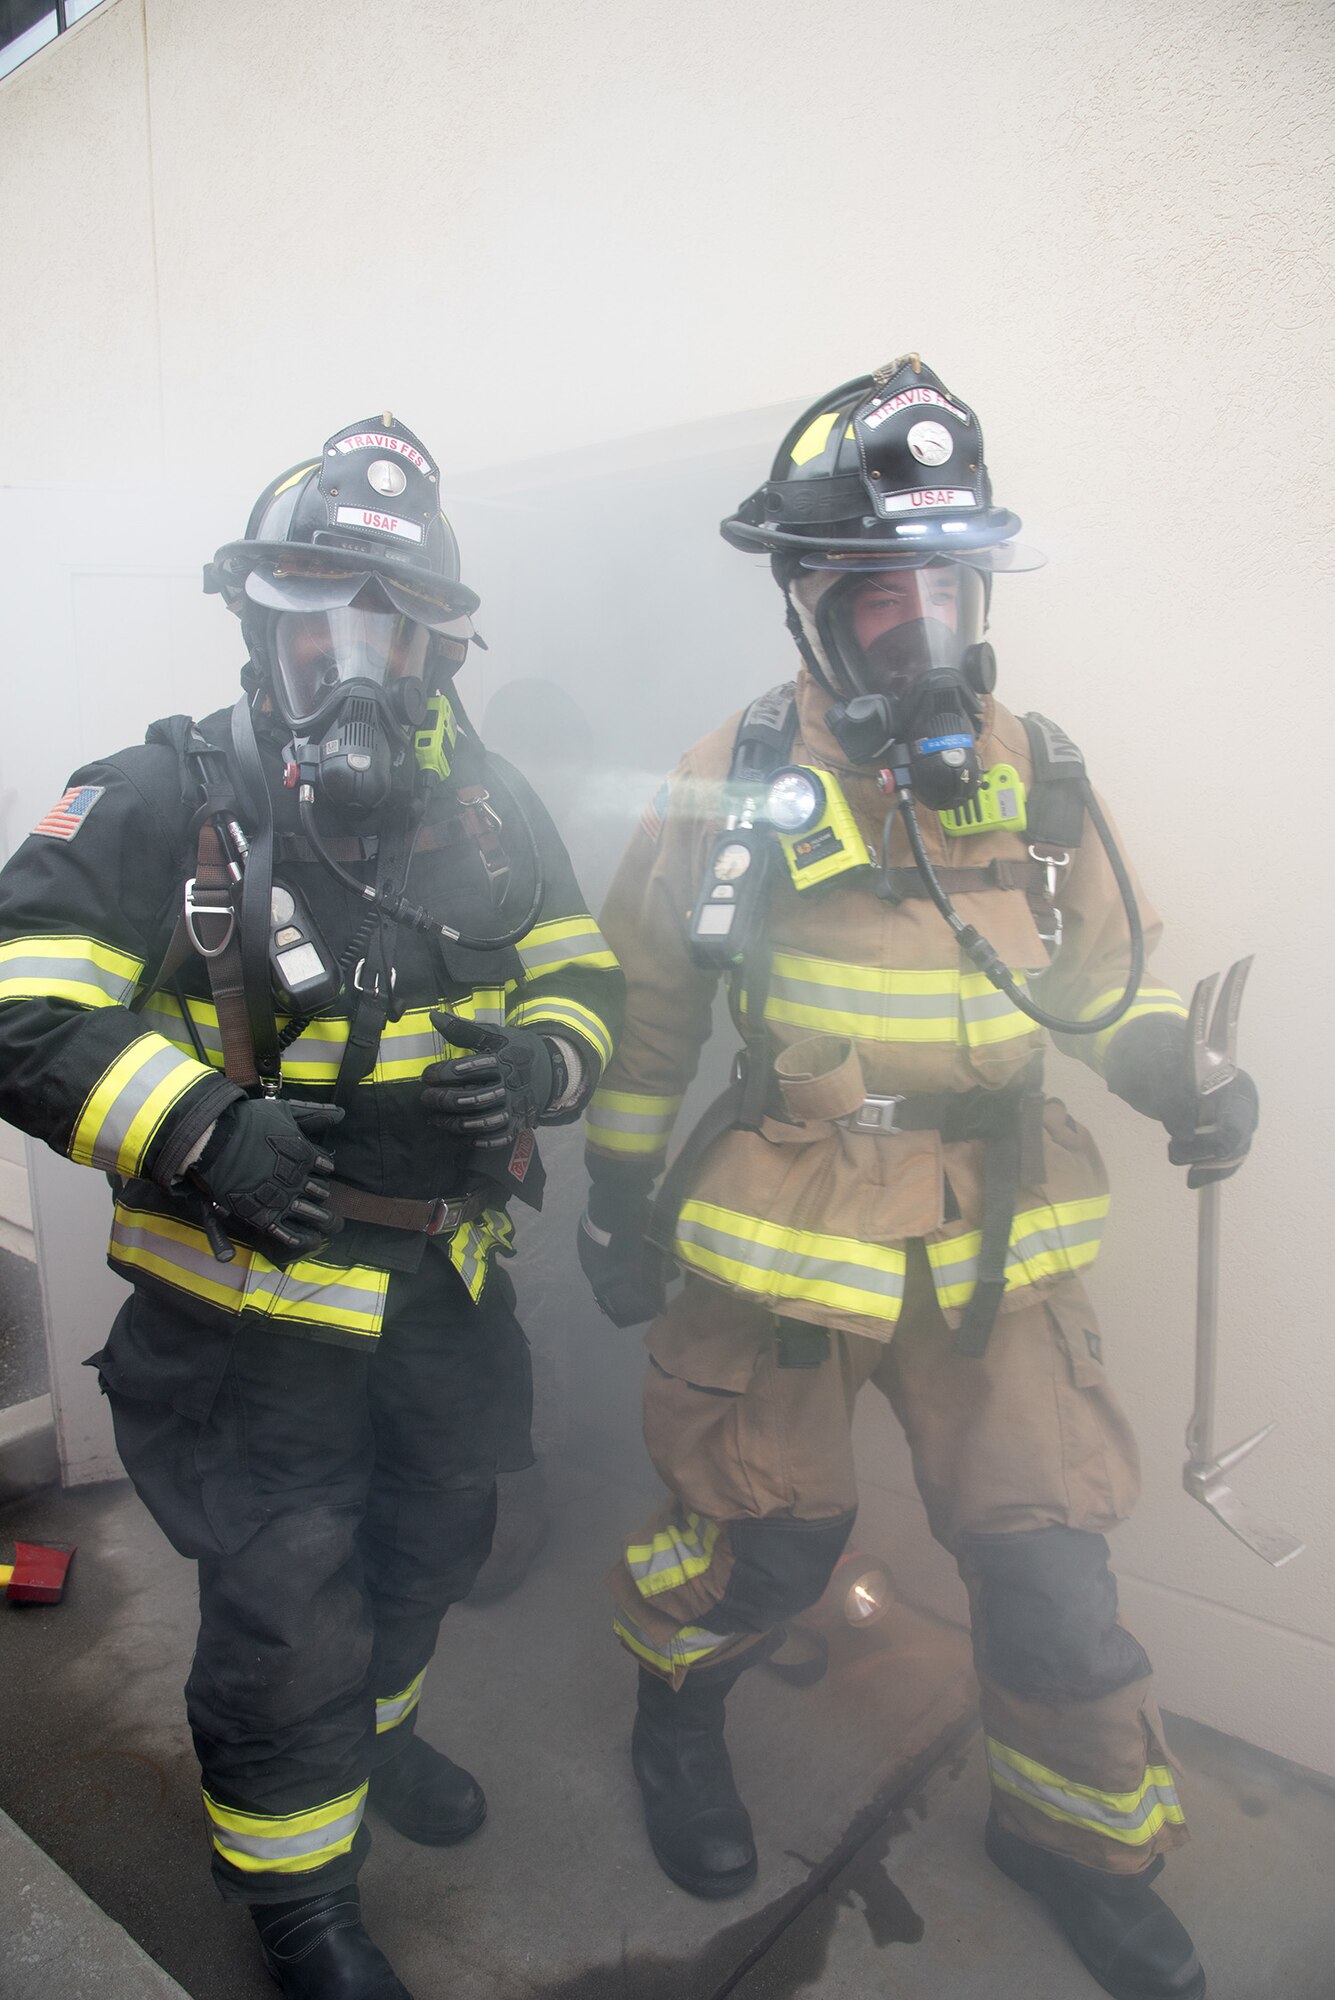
(558, 1894)
(867, 1791)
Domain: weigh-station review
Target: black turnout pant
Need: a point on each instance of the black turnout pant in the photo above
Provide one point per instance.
(337, 1503)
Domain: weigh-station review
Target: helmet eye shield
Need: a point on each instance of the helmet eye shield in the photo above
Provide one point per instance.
(326, 586)
(318, 652)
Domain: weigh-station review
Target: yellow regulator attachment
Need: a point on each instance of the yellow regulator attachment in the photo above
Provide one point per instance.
(814, 824)
(999, 802)
(434, 741)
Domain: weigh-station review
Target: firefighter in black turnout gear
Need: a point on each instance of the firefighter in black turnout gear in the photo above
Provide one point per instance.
(314, 1092)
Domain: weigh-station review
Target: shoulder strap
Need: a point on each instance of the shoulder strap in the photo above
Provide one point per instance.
(1055, 814)
(764, 738)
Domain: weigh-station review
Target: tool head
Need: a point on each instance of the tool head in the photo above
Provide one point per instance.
(1212, 1036)
(1264, 1538)
(37, 1575)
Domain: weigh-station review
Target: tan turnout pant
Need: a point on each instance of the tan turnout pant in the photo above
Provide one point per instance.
(1023, 1459)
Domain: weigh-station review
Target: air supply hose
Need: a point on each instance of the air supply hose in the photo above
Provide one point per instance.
(401, 911)
(975, 945)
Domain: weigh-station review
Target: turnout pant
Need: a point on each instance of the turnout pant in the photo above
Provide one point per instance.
(1023, 1459)
(336, 1503)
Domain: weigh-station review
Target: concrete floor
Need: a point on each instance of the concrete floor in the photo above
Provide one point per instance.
(867, 1792)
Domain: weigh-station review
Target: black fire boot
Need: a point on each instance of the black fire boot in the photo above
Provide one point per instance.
(1129, 1940)
(698, 1827)
(427, 1798)
(318, 1949)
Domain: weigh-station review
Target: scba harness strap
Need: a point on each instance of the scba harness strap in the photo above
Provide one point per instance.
(1007, 1122)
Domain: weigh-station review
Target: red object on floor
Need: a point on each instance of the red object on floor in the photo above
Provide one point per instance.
(38, 1574)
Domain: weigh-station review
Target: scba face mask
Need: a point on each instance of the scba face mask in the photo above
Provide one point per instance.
(350, 679)
(907, 642)
(883, 630)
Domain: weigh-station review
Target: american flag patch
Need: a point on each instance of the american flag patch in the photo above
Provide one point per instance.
(651, 819)
(68, 814)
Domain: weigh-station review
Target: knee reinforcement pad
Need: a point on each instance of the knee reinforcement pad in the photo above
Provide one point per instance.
(780, 1567)
(1045, 1615)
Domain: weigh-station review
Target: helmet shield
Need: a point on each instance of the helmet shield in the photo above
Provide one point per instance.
(317, 652)
(319, 583)
(882, 630)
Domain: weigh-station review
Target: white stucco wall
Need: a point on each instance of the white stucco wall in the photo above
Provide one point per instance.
(532, 229)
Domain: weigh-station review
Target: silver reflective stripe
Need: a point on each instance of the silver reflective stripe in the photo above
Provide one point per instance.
(273, 1847)
(990, 1005)
(677, 1552)
(1154, 1802)
(169, 1024)
(562, 951)
(388, 1713)
(943, 1006)
(792, 1260)
(32, 976)
(1060, 1241)
(113, 1128)
(686, 1645)
(653, 1122)
(178, 1254)
(314, 1291)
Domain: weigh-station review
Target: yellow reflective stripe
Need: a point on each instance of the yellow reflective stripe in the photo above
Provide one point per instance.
(625, 1121)
(564, 941)
(685, 1647)
(349, 1299)
(1047, 1242)
(1133, 1818)
(390, 1712)
(776, 1262)
(553, 1012)
(473, 1247)
(406, 1045)
(881, 1004)
(124, 1110)
(1149, 1000)
(676, 1553)
(77, 969)
(286, 1843)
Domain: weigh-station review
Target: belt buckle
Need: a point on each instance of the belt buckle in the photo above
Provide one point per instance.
(874, 1114)
(446, 1216)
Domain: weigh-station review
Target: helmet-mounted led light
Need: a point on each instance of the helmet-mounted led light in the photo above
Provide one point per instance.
(796, 800)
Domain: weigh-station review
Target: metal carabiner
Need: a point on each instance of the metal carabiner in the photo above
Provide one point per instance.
(193, 910)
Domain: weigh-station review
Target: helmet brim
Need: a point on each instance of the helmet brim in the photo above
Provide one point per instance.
(287, 576)
(984, 544)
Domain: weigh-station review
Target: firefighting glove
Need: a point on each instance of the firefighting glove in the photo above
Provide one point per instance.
(623, 1272)
(1149, 1064)
(486, 1100)
(266, 1166)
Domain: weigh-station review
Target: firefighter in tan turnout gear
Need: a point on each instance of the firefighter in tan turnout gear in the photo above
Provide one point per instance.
(902, 883)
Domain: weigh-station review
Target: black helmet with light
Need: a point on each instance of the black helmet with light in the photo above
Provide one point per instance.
(341, 556)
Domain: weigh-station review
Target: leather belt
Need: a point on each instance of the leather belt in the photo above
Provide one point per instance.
(436, 1216)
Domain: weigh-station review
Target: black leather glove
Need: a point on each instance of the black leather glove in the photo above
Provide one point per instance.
(266, 1165)
(488, 1099)
(1149, 1065)
(624, 1276)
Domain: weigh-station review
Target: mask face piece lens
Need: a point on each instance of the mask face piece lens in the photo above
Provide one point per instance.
(317, 652)
(795, 800)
